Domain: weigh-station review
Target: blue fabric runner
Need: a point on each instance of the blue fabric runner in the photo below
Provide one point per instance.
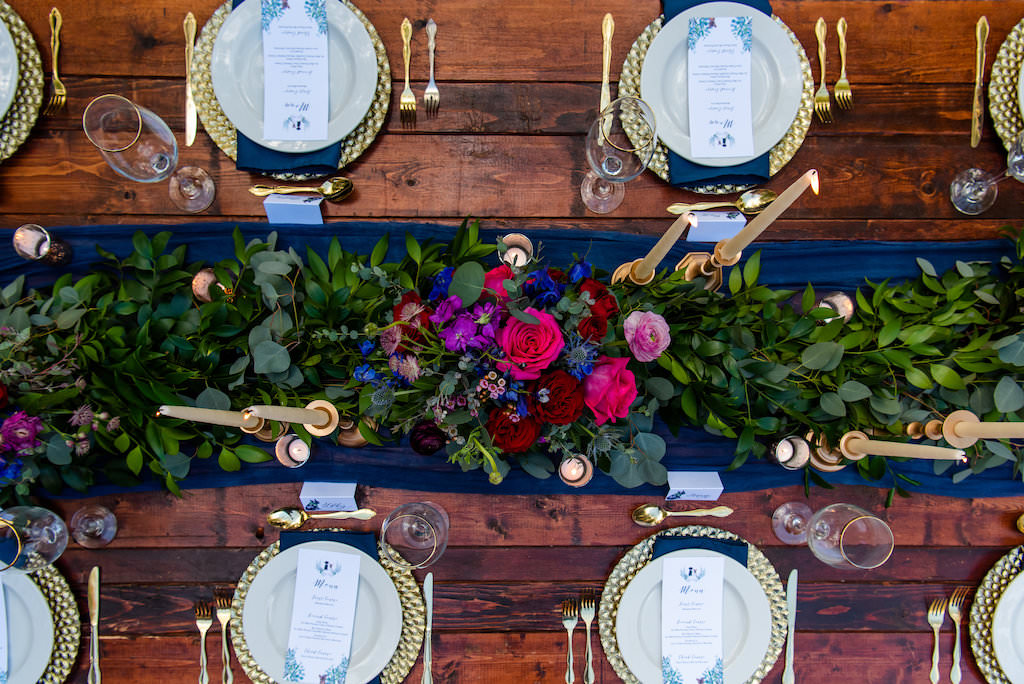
(827, 264)
(683, 172)
(736, 550)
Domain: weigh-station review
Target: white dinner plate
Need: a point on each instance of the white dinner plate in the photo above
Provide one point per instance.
(746, 620)
(776, 81)
(1008, 631)
(236, 70)
(29, 629)
(267, 615)
(8, 69)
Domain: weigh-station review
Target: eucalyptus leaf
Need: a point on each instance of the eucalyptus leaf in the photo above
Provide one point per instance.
(213, 398)
(270, 357)
(1008, 396)
(467, 282)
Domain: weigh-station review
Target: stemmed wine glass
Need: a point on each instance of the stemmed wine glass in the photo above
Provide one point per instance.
(974, 190)
(841, 535)
(620, 144)
(415, 534)
(137, 144)
(30, 537)
(93, 526)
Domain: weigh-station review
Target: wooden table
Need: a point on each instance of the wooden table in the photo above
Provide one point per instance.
(519, 85)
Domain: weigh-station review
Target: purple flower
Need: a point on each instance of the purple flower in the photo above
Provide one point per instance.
(18, 433)
(486, 316)
(82, 416)
(446, 309)
(405, 366)
(441, 283)
(461, 334)
(390, 339)
(114, 425)
(425, 438)
(647, 334)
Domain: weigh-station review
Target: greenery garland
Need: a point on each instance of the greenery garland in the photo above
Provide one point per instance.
(85, 363)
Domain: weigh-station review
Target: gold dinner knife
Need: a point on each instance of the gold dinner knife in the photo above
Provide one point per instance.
(607, 30)
(977, 112)
(190, 103)
(94, 620)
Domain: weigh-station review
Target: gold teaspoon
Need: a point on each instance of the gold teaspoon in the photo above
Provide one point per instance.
(751, 202)
(650, 515)
(290, 518)
(333, 189)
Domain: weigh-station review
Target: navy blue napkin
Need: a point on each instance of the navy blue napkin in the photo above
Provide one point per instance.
(364, 541)
(254, 157)
(683, 172)
(736, 550)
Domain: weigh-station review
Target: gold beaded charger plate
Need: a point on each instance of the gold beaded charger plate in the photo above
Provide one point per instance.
(1004, 96)
(223, 132)
(372, 631)
(983, 609)
(759, 568)
(17, 122)
(780, 155)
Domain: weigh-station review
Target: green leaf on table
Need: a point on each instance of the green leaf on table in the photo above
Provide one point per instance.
(251, 454)
(134, 460)
(1008, 395)
(832, 404)
(946, 376)
(273, 267)
(228, 461)
(752, 269)
(213, 398)
(122, 442)
(57, 451)
(467, 282)
(66, 319)
(651, 445)
(1012, 351)
(918, 378)
(660, 388)
(412, 248)
(851, 390)
(270, 357)
(522, 315)
(537, 465)
(890, 331)
(926, 267)
(380, 250)
(823, 356)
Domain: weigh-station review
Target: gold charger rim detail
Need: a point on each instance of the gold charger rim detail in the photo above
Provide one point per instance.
(67, 627)
(223, 132)
(983, 609)
(413, 617)
(639, 556)
(780, 155)
(1003, 98)
(19, 119)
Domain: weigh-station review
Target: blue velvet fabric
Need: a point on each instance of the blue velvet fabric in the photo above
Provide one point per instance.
(827, 264)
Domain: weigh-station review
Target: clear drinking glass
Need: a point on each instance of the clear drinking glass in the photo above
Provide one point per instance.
(93, 526)
(34, 243)
(137, 144)
(415, 535)
(620, 144)
(30, 537)
(841, 535)
(974, 190)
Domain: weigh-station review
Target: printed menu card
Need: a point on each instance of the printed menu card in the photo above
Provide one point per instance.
(295, 78)
(320, 638)
(718, 82)
(691, 620)
(3, 634)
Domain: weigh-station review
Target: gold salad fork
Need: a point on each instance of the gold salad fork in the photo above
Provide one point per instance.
(59, 96)
(822, 103)
(203, 622)
(587, 611)
(431, 96)
(936, 615)
(956, 602)
(407, 103)
(570, 616)
(223, 615)
(844, 95)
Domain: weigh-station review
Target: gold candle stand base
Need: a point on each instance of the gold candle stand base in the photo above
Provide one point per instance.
(331, 418)
(949, 429)
(626, 270)
(264, 430)
(706, 265)
(349, 435)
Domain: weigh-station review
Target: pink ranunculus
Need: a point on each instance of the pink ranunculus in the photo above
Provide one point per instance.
(647, 335)
(530, 347)
(610, 389)
(494, 278)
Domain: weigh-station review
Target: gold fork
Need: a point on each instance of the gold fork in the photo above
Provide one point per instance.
(936, 614)
(59, 96)
(822, 104)
(570, 616)
(407, 103)
(587, 611)
(203, 622)
(431, 96)
(844, 95)
(956, 602)
(223, 615)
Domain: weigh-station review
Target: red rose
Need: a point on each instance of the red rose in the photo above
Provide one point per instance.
(512, 436)
(604, 301)
(495, 278)
(557, 398)
(593, 328)
(3, 395)
(558, 275)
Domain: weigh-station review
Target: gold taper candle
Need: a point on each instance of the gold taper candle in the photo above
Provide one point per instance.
(644, 269)
(213, 416)
(289, 414)
(963, 428)
(734, 245)
(856, 444)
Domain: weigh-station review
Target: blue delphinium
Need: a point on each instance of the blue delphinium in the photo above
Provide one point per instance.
(441, 283)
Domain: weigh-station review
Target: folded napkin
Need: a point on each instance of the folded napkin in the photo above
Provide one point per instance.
(364, 541)
(736, 550)
(254, 157)
(684, 172)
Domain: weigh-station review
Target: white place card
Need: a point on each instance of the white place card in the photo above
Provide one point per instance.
(300, 209)
(4, 664)
(295, 69)
(320, 638)
(718, 87)
(713, 226)
(691, 619)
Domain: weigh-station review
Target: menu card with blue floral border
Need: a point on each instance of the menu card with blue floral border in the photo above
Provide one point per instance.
(295, 69)
(718, 83)
(691, 620)
(320, 638)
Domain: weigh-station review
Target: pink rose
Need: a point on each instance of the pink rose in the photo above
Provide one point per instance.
(647, 335)
(494, 278)
(530, 347)
(610, 389)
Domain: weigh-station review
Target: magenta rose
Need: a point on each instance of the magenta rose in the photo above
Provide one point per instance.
(610, 389)
(646, 334)
(530, 347)
(494, 279)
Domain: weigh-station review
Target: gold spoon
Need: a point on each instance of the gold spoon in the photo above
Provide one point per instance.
(289, 518)
(751, 202)
(650, 515)
(333, 189)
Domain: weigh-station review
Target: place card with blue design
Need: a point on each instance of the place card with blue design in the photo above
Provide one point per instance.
(295, 69)
(691, 620)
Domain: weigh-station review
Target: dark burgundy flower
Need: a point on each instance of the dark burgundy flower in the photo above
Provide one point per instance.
(3, 396)
(557, 398)
(593, 328)
(512, 433)
(426, 438)
(604, 304)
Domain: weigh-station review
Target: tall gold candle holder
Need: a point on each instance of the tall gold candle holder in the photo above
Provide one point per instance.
(962, 429)
(856, 444)
(319, 417)
(641, 271)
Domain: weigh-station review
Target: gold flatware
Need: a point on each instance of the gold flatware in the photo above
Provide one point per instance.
(587, 611)
(407, 103)
(822, 103)
(203, 622)
(607, 31)
(570, 616)
(428, 599)
(844, 94)
(751, 202)
(191, 121)
(223, 615)
(956, 602)
(94, 625)
(977, 110)
(431, 96)
(333, 189)
(289, 518)
(59, 96)
(936, 614)
(650, 515)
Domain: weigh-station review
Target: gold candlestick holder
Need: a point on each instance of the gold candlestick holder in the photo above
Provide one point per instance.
(962, 429)
(708, 266)
(264, 430)
(628, 270)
